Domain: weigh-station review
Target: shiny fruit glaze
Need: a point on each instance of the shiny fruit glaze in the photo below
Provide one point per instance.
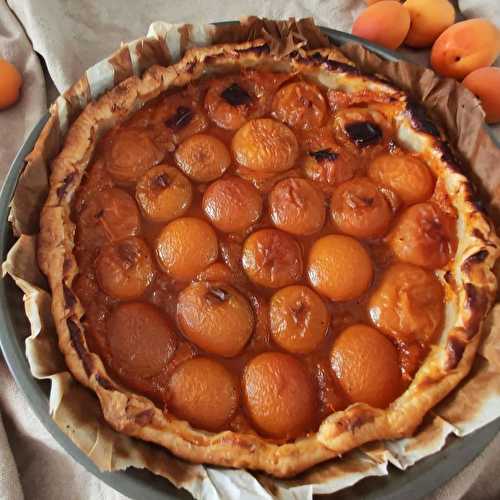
(257, 252)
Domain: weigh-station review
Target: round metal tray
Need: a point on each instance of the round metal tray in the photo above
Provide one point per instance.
(415, 483)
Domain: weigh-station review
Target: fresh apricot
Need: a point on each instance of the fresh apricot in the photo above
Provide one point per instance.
(299, 319)
(386, 23)
(215, 317)
(300, 105)
(185, 247)
(366, 366)
(203, 157)
(405, 175)
(140, 339)
(464, 47)
(428, 19)
(163, 193)
(408, 304)
(424, 235)
(131, 153)
(272, 258)
(484, 84)
(232, 204)
(265, 145)
(339, 267)
(297, 206)
(10, 84)
(359, 209)
(203, 392)
(125, 269)
(279, 395)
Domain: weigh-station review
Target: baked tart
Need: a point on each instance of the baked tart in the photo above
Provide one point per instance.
(264, 261)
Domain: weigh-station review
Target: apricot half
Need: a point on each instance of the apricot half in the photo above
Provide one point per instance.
(464, 47)
(484, 84)
(366, 366)
(279, 395)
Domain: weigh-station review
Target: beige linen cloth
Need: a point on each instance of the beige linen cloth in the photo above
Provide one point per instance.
(70, 36)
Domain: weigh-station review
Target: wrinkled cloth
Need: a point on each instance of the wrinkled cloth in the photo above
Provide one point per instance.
(70, 37)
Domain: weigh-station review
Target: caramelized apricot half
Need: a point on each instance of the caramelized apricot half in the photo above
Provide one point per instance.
(140, 339)
(299, 319)
(279, 395)
(125, 269)
(265, 145)
(424, 236)
(408, 304)
(359, 209)
(297, 206)
(185, 247)
(163, 193)
(232, 204)
(272, 258)
(215, 317)
(366, 366)
(339, 267)
(204, 393)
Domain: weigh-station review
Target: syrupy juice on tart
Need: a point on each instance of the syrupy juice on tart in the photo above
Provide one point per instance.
(257, 252)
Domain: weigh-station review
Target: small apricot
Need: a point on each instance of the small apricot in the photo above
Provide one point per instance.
(185, 247)
(339, 267)
(484, 83)
(10, 84)
(428, 19)
(203, 392)
(279, 395)
(386, 23)
(366, 366)
(464, 47)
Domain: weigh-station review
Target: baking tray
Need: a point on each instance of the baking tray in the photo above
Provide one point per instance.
(414, 483)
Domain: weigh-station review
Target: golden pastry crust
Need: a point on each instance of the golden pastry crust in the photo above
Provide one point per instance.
(469, 283)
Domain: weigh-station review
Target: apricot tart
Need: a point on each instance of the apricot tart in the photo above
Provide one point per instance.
(264, 261)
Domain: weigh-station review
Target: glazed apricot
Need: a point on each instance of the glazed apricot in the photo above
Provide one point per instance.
(298, 318)
(408, 304)
(215, 317)
(279, 395)
(407, 176)
(366, 366)
(265, 145)
(297, 206)
(185, 247)
(204, 393)
(131, 154)
(140, 339)
(125, 269)
(232, 204)
(163, 193)
(203, 157)
(112, 213)
(300, 105)
(424, 236)
(339, 267)
(359, 209)
(272, 258)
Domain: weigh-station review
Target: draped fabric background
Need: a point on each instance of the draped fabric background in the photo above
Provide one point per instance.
(70, 36)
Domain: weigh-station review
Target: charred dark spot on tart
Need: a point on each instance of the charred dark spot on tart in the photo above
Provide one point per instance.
(260, 49)
(191, 65)
(324, 155)
(419, 118)
(144, 417)
(455, 349)
(67, 265)
(217, 294)
(104, 382)
(181, 118)
(317, 58)
(62, 189)
(449, 157)
(355, 418)
(69, 296)
(474, 259)
(364, 133)
(236, 96)
(161, 181)
(78, 343)
(476, 302)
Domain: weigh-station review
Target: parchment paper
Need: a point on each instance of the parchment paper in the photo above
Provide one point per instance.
(474, 405)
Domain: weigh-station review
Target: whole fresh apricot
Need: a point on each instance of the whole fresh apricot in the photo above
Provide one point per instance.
(464, 47)
(428, 19)
(485, 84)
(10, 84)
(386, 23)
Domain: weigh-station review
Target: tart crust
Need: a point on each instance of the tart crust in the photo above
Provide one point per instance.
(469, 282)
